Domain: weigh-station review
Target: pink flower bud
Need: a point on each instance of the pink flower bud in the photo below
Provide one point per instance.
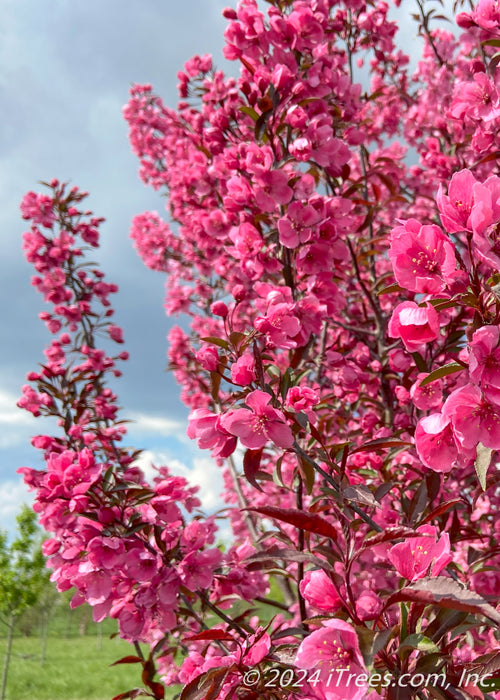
(415, 325)
(218, 308)
(208, 357)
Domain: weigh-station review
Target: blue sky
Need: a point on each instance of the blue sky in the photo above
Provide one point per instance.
(65, 70)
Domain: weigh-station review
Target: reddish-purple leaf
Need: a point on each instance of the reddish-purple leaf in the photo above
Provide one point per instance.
(381, 443)
(311, 522)
(128, 660)
(485, 665)
(210, 635)
(206, 686)
(446, 593)
(274, 553)
(251, 465)
(439, 510)
(134, 693)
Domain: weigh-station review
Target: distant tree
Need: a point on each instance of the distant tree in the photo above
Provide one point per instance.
(22, 577)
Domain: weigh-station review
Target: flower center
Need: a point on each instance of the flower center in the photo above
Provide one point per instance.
(423, 263)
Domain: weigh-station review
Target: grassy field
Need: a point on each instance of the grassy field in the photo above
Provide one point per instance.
(74, 669)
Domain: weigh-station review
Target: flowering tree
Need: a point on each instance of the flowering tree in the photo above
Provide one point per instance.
(22, 578)
(344, 314)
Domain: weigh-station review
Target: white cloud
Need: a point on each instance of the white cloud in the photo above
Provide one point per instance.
(205, 474)
(202, 472)
(142, 422)
(12, 496)
(147, 460)
(10, 414)
(16, 425)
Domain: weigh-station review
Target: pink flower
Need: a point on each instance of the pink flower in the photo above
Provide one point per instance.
(474, 419)
(477, 99)
(32, 400)
(298, 224)
(307, 30)
(368, 605)
(218, 308)
(255, 647)
(487, 14)
(280, 325)
(141, 565)
(427, 396)
(247, 240)
(421, 556)
(455, 209)
(484, 220)
(206, 427)
(484, 361)
(334, 650)
(239, 192)
(98, 583)
(415, 325)
(243, 370)
(423, 257)
(271, 189)
(208, 357)
(197, 568)
(131, 621)
(38, 208)
(300, 398)
(436, 445)
(115, 333)
(301, 149)
(106, 552)
(317, 588)
(259, 425)
(327, 151)
(72, 473)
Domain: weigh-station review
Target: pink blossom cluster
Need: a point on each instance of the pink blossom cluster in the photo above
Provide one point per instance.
(427, 261)
(131, 550)
(341, 363)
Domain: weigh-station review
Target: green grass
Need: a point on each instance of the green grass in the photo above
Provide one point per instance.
(74, 669)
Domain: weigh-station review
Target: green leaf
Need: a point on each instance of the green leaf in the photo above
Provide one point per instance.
(308, 473)
(359, 493)
(273, 371)
(443, 371)
(277, 476)
(482, 463)
(216, 341)
(246, 109)
(261, 123)
(419, 361)
(215, 380)
(447, 305)
(237, 339)
(391, 288)
(420, 642)
(494, 61)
